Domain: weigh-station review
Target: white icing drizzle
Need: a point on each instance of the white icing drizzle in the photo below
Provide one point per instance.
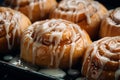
(75, 10)
(42, 7)
(8, 22)
(113, 44)
(53, 72)
(33, 55)
(87, 14)
(117, 14)
(56, 29)
(52, 57)
(31, 8)
(7, 35)
(17, 27)
(71, 53)
(96, 5)
(61, 56)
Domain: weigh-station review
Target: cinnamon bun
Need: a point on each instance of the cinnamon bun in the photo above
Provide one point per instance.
(102, 60)
(110, 25)
(12, 23)
(34, 9)
(86, 13)
(54, 43)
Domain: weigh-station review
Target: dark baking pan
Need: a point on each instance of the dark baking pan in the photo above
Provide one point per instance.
(12, 69)
(9, 71)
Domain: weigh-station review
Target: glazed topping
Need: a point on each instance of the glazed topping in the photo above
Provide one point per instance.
(9, 24)
(41, 6)
(116, 15)
(32, 5)
(55, 34)
(107, 51)
(73, 4)
(53, 72)
(75, 8)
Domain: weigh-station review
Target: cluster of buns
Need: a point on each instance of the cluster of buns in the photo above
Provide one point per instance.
(61, 35)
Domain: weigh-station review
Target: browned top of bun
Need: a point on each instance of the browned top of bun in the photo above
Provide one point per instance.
(11, 23)
(8, 20)
(58, 38)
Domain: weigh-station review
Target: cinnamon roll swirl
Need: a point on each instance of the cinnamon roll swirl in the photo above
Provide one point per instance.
(34, 9)
(12, 23)
(54, 43)
(86, 13)
(110, 25)
(102, 60)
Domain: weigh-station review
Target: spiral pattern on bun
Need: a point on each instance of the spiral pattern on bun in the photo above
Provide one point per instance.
(102, 60)
(86, 13)
(54, 43)
(110, 25)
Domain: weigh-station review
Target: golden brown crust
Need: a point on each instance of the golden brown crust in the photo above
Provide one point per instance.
(87, 14)
(110, 25)
(54, 43)
(35, 10)
(102, 60)
(12, 23)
